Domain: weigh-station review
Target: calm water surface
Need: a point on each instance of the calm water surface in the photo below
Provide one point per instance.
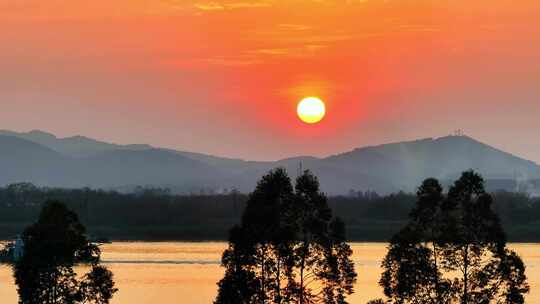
(187, 273)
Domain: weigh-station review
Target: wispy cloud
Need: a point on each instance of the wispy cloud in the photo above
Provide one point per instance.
(211, 6)
(417, 28)
(295, 27)
(283, 51)
(301, 51)
(231, 62)
(248, 58)
(223, 5)
(213, 61)
(249, 4)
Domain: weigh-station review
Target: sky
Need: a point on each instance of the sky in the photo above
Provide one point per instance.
(224, 77)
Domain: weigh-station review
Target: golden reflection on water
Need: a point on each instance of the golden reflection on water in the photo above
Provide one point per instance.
(186, 273)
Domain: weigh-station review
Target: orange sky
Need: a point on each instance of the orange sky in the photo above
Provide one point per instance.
(224, 77)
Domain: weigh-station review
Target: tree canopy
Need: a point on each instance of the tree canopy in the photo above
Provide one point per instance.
(152, 214)
(288, 247)
(453, 250)
(52, 247)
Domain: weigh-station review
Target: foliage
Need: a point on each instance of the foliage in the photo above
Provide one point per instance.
(155, 214)
(52, 247)
(288, 248)
(453, 250)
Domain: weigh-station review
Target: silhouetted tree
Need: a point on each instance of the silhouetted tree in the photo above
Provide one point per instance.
(288, 248)
(453, 250)
(239, 284)
(97, 286)
(20, 193)
(52, 247)
(324, 270)
(156, 216)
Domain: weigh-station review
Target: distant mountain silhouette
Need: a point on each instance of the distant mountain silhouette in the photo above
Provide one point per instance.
(44, 159)
(76, 146)
(406, 164)
(23, 160)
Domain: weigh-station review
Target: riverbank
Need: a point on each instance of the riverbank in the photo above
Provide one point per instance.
(357, 231)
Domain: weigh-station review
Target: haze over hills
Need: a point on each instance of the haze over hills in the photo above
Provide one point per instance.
(46, 160)
(76, 146)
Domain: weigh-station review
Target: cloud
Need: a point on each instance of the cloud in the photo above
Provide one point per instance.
(418, 28)
(298, 52)
(224, 61)
(247, 58)
(295, 27)
(223, 5)
(249, 4)
(212, 61)
(211, 6)
(277, 51)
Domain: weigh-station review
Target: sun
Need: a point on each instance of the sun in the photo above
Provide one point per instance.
(311, 110)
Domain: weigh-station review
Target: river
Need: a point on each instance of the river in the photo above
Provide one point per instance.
(186, 273)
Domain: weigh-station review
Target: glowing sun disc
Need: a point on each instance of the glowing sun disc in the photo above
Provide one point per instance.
(311, 110)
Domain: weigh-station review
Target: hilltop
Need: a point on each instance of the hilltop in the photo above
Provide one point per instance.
(47, 160)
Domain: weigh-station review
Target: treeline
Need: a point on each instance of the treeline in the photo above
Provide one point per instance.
(155, 214)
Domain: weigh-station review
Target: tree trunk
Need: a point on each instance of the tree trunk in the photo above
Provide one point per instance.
(263, 276)
(437, 284)
(302, 267)
(278, 288)
(302, 282)
(263, 293)
(465, 299)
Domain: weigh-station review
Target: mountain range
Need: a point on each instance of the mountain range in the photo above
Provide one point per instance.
(44, 159)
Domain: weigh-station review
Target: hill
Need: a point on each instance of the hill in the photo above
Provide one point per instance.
(44, 159)
(75, 146)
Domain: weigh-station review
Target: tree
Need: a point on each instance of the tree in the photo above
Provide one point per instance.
(288, 248)
(240, 284)
(20, 193)
(453, 250)
(97, 286)
(52, 247)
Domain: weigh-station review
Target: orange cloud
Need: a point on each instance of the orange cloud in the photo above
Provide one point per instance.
(220, 6)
